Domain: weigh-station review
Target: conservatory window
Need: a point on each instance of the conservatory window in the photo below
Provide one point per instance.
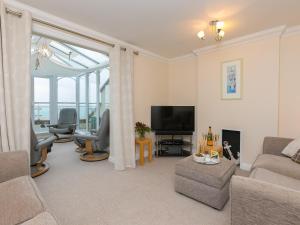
(92, 117)
(41, 106)
(82, 103)
(66, 93)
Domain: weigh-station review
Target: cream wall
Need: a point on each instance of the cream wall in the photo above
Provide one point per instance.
(158, 82)
(183, 81)
(256, 114)
(289, 111)
(150, 85)
(183, 84)
(270, 103)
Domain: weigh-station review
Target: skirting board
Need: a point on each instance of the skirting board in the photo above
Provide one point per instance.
(245, 166)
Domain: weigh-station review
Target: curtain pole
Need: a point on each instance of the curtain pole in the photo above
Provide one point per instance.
(19, 14)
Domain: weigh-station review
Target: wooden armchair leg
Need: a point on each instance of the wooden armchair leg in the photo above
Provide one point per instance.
(89, 147)
(90, 155)
(44, 153)
(41, 166)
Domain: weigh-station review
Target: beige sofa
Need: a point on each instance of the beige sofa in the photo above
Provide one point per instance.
(20, 200)
(271, 195)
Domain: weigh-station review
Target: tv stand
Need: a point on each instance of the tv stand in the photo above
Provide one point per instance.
(173, 145)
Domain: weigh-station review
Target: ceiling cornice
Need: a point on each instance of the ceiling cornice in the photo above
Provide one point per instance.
(183, 57)
(295, 30)
(273, 32)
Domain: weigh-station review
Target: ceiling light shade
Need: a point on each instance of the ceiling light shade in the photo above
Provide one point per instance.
(222, 33)
(201, 35)
(42, 50)
(219, 25)
(45, 51)
(218, 29)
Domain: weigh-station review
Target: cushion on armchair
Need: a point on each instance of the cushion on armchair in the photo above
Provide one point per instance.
(59, 130)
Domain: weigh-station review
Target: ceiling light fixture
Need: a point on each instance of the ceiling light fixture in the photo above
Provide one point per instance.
(217, 27)
(201, 35)
(42, 50)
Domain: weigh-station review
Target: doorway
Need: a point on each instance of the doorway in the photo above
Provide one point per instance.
(67, 76)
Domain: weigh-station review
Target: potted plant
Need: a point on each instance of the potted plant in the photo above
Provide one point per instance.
(141, 129)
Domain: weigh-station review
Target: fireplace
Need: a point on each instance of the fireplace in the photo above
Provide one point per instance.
(231, 141)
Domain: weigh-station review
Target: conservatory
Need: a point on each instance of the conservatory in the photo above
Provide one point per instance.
(67, 76)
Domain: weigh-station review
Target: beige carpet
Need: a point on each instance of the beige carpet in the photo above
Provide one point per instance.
(82, 193)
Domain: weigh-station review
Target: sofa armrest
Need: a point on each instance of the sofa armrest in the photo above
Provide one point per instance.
(275, 145)
(13, 164)
(258, 202)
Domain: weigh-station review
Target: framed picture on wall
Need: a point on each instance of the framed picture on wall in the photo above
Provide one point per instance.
(232, 79)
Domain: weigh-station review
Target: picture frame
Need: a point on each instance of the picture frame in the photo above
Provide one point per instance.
(232, 80)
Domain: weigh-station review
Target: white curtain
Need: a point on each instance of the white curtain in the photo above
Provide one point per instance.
(15, 80)
(122, 136)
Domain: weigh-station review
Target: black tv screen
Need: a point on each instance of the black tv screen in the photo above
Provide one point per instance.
(173, 119)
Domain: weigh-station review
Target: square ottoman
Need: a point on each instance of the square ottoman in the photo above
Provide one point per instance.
(206, 183)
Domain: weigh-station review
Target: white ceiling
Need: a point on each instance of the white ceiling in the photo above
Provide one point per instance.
(169, 27)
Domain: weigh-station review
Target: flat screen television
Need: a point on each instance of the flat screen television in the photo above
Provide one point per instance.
(173, 119)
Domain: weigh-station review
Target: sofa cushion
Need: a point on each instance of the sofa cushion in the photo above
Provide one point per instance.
(19, 201)
(278, 164)
(292, 148)
(212, 175)
(296, 157)
(44, 218)
(275, 178)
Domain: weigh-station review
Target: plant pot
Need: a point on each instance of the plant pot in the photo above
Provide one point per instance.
(142, 135)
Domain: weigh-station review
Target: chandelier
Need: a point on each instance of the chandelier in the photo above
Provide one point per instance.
(42, 50)
(217, 28)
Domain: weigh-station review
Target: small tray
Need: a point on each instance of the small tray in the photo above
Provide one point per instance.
(202, 160)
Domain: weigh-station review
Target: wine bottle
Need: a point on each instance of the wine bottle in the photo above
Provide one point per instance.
(209, 137)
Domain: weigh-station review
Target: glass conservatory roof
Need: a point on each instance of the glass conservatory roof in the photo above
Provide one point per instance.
(66, 55)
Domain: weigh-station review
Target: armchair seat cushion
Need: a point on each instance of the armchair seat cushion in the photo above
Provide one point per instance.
(275, 178)
(86, 137)
(278, 164)
(45, 143)
(59, 130)
(20, 201)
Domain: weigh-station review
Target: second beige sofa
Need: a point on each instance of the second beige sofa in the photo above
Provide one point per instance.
(271, 195)
(20, 199)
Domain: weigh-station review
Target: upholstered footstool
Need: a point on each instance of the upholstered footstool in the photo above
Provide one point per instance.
(206, 183)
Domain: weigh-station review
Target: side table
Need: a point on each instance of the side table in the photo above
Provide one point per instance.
(142, 142)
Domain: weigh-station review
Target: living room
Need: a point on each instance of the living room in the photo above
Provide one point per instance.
(183, 56)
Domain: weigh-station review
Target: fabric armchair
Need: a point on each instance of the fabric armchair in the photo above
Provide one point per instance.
(66, 125)
(38, 153)
(96, 145)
